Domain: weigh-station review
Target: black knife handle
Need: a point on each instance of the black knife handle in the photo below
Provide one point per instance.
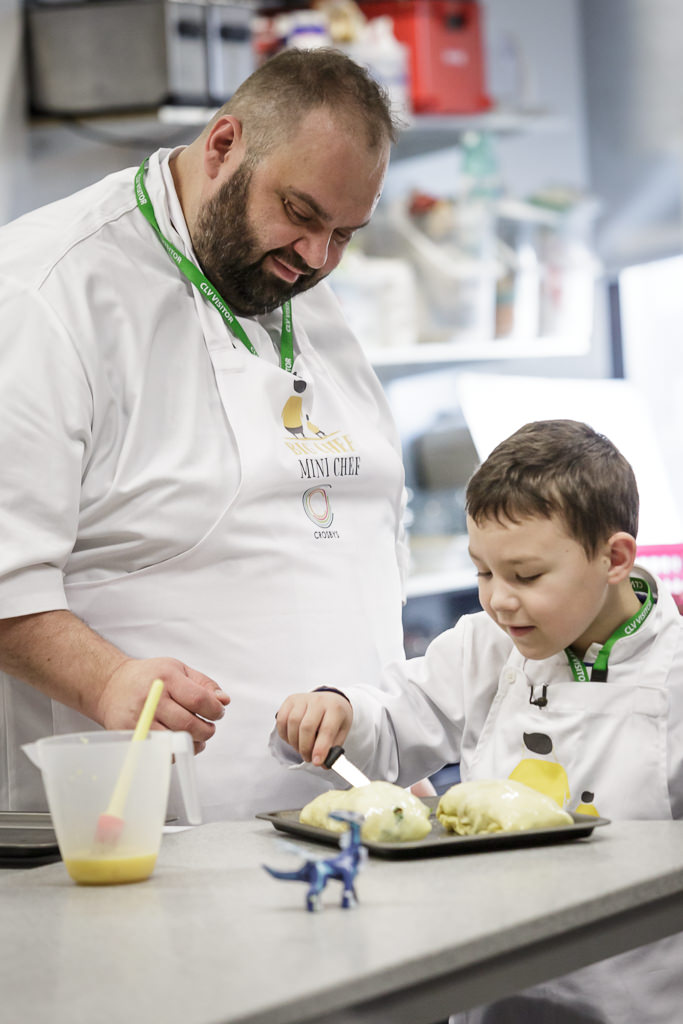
(332, 755)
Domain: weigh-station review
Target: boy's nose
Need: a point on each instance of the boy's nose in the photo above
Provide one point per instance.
(503, 598)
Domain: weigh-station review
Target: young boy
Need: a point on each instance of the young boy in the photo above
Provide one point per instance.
(570, 680)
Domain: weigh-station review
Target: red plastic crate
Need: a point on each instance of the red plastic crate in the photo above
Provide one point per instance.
(665, 561)
(446, 52)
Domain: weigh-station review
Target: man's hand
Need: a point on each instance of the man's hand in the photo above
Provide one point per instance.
(63, 658)
(191, 702)
(314, 722)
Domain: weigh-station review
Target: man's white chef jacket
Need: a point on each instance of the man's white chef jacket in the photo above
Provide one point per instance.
(151, 485)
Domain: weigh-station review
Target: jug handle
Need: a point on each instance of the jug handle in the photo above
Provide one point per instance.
(183, 749)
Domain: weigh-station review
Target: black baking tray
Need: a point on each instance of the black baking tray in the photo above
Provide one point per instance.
(440, 842)
(27, 840)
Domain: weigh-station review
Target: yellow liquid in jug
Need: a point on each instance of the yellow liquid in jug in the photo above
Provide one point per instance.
(113, 870)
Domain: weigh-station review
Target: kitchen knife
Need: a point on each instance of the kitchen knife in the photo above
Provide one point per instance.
(339, 763)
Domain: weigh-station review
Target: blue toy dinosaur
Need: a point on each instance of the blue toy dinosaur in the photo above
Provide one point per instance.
(343, 866)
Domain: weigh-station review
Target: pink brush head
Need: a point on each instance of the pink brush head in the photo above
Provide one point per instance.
(109, 828)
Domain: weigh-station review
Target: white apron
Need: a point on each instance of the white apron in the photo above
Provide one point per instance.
(295, 586)
(599, 748)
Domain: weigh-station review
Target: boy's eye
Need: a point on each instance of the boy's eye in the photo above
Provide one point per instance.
(529, 579)
(481, 575)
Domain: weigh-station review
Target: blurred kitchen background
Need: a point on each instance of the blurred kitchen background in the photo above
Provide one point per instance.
(526, 259)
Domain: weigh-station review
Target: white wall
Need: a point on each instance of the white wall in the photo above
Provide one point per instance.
(634, 99)
(12, 124)
(652, 327)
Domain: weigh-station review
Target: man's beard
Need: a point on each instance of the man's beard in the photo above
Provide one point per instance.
(229, 253)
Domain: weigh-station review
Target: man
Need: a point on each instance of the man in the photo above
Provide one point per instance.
(159, 517)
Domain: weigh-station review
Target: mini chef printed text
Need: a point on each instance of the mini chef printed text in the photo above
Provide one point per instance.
(321, 455)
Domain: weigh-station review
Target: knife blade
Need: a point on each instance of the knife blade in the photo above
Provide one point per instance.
(338, 761)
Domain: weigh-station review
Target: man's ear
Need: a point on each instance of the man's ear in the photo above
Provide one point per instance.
(622, 555)
(224, 140)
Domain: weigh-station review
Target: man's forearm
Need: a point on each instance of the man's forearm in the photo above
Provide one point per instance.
(62, 657)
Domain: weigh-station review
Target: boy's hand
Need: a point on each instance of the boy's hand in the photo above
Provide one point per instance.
(314, 722)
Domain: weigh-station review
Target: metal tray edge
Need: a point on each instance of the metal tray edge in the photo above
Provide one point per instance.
(442, 844)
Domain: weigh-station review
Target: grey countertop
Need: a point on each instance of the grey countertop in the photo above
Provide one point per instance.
(210, 938)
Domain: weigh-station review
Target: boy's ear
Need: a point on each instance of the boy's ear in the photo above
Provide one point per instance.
(622, 555)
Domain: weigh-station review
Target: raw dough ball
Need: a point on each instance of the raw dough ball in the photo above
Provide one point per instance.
(497, 805)
(392, 814)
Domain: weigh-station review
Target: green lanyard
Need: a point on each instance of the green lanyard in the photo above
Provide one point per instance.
(599, 672)
(198, 279)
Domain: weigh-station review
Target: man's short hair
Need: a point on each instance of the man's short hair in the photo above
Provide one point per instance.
(273, 101)
(563, 468)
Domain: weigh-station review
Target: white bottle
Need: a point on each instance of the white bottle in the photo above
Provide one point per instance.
(307, 30)
(386, 59)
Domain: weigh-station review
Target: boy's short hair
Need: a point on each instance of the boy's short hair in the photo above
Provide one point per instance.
(558, 467)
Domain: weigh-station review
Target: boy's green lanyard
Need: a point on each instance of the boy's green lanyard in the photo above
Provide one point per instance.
(198, 279)
(599, 671)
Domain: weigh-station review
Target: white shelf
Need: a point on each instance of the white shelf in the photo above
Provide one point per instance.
(499, 120)
(424, 584)
(423, 133)
(427, 133)
(474, 351)
(440, 564)
(175, 114)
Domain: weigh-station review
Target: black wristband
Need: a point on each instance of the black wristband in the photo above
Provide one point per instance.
(330, 689)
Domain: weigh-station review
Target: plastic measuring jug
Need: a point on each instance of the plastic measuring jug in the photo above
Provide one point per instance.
(80, 771)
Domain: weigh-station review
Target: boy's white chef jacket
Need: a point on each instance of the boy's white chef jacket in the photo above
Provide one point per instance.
(152, 485)
(616, 749)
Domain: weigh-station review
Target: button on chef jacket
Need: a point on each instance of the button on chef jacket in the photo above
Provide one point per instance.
(178, 494)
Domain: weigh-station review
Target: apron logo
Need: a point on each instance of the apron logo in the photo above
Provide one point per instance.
(318, 508)
(324, 453)
(292, 415)
(545, 773)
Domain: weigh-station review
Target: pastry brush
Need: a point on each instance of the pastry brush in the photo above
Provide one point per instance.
(110, 823)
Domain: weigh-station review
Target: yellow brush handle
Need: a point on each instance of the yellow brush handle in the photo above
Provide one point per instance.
(120, 794)
(147, 713)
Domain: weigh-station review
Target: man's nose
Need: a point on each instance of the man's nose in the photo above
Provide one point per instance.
(314, 249)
